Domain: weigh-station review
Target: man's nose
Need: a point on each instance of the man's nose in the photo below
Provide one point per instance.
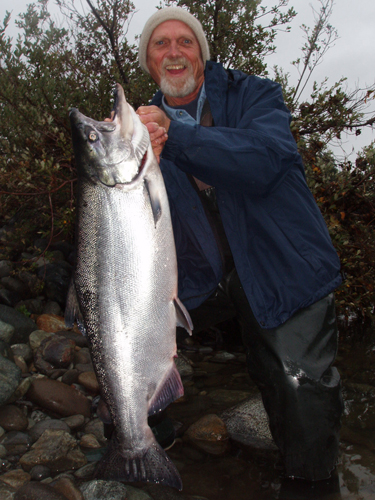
(174, 49)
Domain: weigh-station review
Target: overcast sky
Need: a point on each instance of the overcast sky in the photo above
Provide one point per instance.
(353, 55)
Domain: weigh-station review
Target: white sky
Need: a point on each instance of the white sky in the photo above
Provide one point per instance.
(353, 55)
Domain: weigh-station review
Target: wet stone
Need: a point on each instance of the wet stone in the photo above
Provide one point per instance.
(223, 357)
(15, 478)
(136, 494)
(209, 433)
(6, 332)
(36, 338)
(89, 382)
(58, 351)
(16, 443)
(21, 390)
(38, 491)
(34, 306)
(23, 326)
(96, 427)
(50, 424)
(10, 376)
(59, 398)
(7, 492)
(21, 363)
(67, 487)
(70, 376)
(82, 356)
(74, 422)
(226, 397)
(85, 472)
(13, 419)
(5, 268)
(3, 451)
(50, 323)
(52, 307)
(99, 489)
(89, 441)
(40, 472)
(56, 449)
(84, 367)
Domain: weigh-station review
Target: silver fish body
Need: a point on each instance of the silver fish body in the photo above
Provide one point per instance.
(124, 287)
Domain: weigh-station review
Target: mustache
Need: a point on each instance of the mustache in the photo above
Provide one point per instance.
(175, 60)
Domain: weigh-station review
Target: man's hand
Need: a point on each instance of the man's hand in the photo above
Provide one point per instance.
(157, 124)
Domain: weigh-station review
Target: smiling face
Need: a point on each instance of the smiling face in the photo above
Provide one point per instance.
(175, 62)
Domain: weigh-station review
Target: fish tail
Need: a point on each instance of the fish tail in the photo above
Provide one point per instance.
(151, 465)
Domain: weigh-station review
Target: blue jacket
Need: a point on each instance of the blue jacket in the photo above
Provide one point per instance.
(279, 240)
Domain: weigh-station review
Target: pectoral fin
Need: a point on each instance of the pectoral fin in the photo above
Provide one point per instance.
(183, 317)
(154, 196)
(72, 309)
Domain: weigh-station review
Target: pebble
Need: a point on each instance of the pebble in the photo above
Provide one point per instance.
(89, 441)
(99, 489)
(37, 337)
(67, 487)
(10, 376)
(210, 434)
(58, 397)
(40, 472)
(13, 419)
(22, 325)
(50, 323)
(56, 449)
(7, 492)
(15, 478)
(58, 351)
(16, 443)
(38, 491)
(89, 382)
(38, 429)
(6, 332)
(74, 422)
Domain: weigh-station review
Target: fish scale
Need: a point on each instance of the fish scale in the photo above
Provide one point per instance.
(124, 288)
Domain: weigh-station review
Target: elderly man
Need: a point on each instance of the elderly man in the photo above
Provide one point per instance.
(249, 235)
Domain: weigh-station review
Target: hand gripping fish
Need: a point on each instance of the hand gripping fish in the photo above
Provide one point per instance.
(124, 287)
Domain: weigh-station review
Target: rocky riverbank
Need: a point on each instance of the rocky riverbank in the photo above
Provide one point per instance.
(51, 437)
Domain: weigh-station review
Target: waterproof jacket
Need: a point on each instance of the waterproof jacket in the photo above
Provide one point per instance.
(279, 240)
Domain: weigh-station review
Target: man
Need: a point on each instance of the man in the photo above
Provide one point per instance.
(248, 231)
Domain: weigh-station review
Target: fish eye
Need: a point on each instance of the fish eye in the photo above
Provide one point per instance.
(93, 136)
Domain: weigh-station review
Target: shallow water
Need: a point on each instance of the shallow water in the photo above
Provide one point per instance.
(252, 473)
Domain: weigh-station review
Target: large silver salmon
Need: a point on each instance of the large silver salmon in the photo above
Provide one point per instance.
(124, 287)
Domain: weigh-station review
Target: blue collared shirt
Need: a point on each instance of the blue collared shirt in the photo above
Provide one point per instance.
(182, 115)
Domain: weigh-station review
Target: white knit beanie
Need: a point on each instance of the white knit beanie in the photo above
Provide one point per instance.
(167, 14)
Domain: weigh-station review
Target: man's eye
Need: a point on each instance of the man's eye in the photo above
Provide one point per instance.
(159, 42)
(187, 41)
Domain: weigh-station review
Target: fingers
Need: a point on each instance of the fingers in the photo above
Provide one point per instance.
(111, 118)
(148, 114)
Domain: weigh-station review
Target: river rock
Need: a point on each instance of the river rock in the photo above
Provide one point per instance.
(96, 427)
(5, 268)
(15, 478)
(56, 279)
(58, 351)
(34, 306)
(209, 433)
(37, 337)
(14, 285)
(40, 472)
(23, 350)
(70, 376)
(23, 326)
(89, 441)
(50, 323)
(8, 298)
(38, 491)
(74, 422)
(247, 424)
(136, 494)
(51, 424)
(82, 357)
(89, 382)
(99, 489)
(7, 492)
(56, 449)
(6, 332)
(13, 419)
(227, 397)
(21, 390)
(67, 487)
(16, 443)
(79, 339)
(59, 398)
(52, 307)
(10, 376)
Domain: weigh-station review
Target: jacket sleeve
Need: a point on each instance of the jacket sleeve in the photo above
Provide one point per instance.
(254, 155)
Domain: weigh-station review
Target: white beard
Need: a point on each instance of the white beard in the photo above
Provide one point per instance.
(184, 88)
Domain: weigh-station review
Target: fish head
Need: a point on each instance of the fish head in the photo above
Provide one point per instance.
(110, 152)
